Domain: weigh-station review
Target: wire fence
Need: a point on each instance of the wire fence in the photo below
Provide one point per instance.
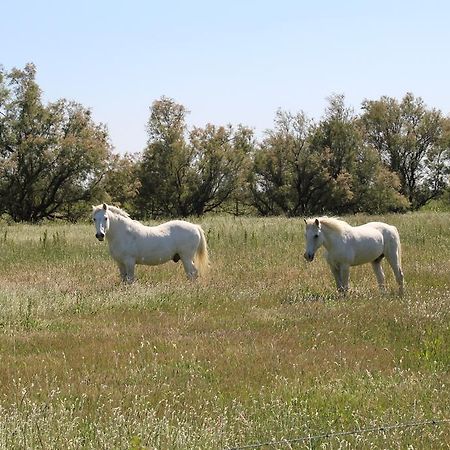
(312, 438)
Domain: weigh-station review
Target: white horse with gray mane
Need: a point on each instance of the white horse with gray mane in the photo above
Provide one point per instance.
(131, 242)
(348, 246)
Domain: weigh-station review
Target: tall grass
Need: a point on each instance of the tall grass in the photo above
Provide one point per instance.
(262, 349)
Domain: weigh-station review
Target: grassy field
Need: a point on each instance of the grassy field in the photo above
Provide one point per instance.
(261, 350)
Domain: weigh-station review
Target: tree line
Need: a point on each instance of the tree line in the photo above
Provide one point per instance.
(55, 161)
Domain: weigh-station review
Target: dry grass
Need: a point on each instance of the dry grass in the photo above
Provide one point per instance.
(262, 349)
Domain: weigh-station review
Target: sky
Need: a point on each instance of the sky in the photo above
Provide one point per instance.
(227, 62)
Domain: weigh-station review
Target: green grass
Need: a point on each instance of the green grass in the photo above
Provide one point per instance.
(261, 349)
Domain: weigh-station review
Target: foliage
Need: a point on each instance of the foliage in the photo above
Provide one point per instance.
(220, 156)
(375, 187)
(287, 177)
(165, 162)
(414, 142)
(54, 160)
(51, 157)
(185, 175)
(338, 136)
(302, 168)
(121, 183)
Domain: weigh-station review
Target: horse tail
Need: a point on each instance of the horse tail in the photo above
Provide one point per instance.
(399, 246)
(395, 259)
(201, 256)
(399, 250)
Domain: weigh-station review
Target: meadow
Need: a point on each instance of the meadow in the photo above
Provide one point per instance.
(262, 349)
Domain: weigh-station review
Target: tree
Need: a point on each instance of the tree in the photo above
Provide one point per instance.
(413, 141)
(338, 132)
(302, 168)
(359, 180)
(375, 188)
(184, 173)
(338, 136)
(121, 182)
(165, 161)
(51, 157)
(287, 177)
(219, 157)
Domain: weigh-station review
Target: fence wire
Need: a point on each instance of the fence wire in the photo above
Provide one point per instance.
(310, 438)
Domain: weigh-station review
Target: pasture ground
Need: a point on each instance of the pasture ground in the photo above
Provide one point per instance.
(261, 349)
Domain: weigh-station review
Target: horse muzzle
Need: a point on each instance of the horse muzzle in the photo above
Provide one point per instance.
(100, 236)
(309, 256)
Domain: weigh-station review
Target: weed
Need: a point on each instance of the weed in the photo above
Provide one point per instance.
(261, 349)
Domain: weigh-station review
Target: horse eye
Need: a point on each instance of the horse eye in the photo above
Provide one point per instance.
(316, 236)
(106, 219)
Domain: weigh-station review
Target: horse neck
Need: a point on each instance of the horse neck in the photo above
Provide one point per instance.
(116, 223)
(331, 238)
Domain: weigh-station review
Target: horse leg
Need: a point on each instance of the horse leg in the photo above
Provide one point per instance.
(190, 269)
(398, 272)
(376, 266)
(129, 270)
(122, 270)
(344, 271)
(337, 276)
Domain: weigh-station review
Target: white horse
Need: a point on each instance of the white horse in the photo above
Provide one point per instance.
(351, 246)
(132, 243)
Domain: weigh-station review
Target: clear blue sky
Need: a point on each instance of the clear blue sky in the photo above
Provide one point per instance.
(227, 61)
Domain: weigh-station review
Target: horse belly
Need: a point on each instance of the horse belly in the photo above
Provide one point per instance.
(146, 261)
(153, 253)
(153, 258)
(368, 250)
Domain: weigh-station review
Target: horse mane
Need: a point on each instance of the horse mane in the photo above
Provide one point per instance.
(118, 211)
(114, 210)
(333, 223)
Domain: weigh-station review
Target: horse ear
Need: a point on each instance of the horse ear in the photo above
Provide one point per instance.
(317, 222)
(105, 206)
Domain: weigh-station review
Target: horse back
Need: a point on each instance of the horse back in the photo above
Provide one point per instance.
(388, 231)
(176, 228)
(391, 237)
(366, 243)
(179, 233)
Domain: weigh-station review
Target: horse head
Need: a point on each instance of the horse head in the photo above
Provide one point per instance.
(101, 221)
(313, 238)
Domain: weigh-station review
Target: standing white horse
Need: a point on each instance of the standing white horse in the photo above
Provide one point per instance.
(351, 246)
(132, 243)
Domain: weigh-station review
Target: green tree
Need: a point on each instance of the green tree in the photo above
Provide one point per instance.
(359, 180)
(184, 173)
(302, 168)
(287, 177)
(121, 182)
(220, 156)
(413, 141)
(338, 133)
(51, 156)
(375, 188)
(165, 162)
